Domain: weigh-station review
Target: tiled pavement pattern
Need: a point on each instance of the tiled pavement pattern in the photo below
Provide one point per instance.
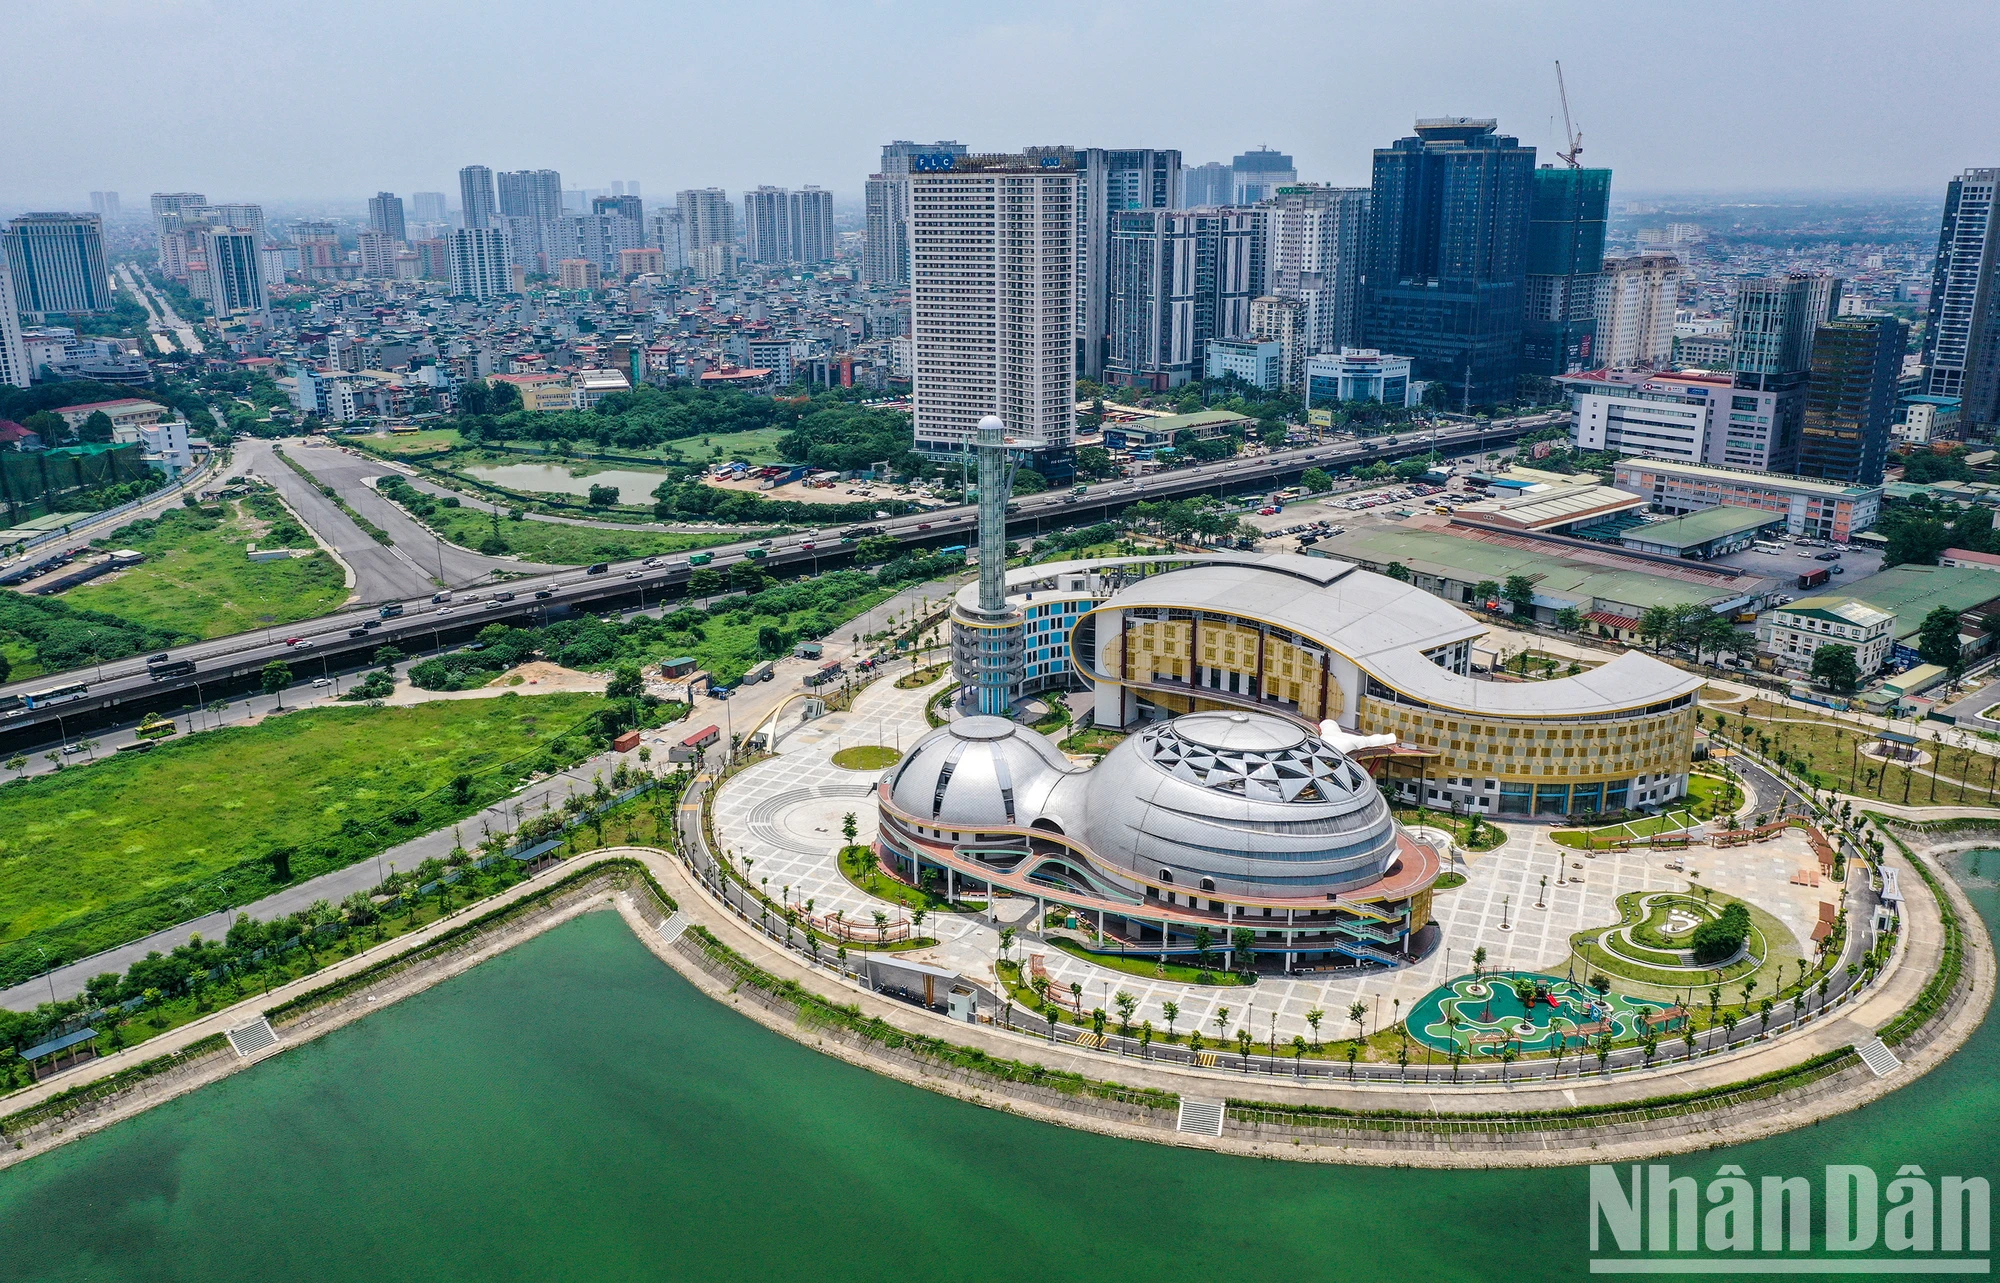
(785, 815)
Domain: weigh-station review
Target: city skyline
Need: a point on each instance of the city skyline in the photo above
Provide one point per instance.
(1902, 115)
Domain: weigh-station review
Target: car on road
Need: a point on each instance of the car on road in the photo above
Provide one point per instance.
(496, 605)
(923, 525)
(357, 632)
(650, 562)
(635, 574)
(543, 594)
(69, 749)
(371, 625)
(1828, 556)
(321, 683)
(807, 545)
(600, 568)
(295, 641)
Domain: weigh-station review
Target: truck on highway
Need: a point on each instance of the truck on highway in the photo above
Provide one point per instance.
(701, 558)
(391, 610)
(761, 673)
(756, 554)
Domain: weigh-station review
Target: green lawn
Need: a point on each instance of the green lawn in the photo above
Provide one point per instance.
(563, 545)
(102, 853)
(729, 649)
(866, 757)
(422, 442)
(198, 577)
(759, 445)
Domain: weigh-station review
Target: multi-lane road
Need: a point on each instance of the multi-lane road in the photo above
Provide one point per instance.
(403, 580)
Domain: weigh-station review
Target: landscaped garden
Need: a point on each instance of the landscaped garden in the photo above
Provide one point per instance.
(1668, 941)
(1709, 797)
(921, 677)
(1833, 754)
(96, 855)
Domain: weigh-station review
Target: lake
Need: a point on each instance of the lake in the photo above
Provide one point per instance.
(634, 485)
(575, 1110)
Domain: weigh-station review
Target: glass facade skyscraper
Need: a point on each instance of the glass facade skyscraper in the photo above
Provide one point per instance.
(1565, 256)
(1447, 265)
(1849, 400)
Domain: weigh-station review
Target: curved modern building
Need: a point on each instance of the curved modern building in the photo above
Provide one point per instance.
(1219, 822)
(1312, 640)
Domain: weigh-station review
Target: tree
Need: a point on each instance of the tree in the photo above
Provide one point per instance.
(603, 496)
(1172, 1011)
(849, 827)
(1357, 1011)
(704, 581)
(1519, 592)
(48, 425)
(96, 430)
(1313, 1018)
(276, 676)
(1833, 664)
(748, 576)
(772, 641)
(1656, 626)
(626, 683)
(1029, 481)
(1486, 594)
(1569, 619)
(1937, 640)
(1479, 960)
(1095, 462)
(1398, 571)
(1316, 480)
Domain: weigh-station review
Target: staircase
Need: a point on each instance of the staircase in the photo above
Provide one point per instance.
(1200, 1117)
(1879, 1058)
(674, 927)
(253, 1037)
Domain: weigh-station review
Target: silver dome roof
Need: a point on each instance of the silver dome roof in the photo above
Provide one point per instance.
(978, 771)
(1249, 801)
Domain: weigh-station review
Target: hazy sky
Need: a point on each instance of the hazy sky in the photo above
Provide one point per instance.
(247, 100)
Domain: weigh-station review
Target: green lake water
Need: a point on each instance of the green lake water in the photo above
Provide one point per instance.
(574, 1110)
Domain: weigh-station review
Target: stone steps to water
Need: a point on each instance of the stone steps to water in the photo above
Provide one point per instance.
(1879, 1058)
(674, 927)
(1200, 1117)
(253, 1037)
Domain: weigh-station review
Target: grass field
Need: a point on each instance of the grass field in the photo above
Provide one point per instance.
(99, 854)
(413, 442)
(759, 445)
(198, 577)
(554, 544)
(729, 647)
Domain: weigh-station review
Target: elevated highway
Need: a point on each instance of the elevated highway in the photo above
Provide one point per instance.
(124, 690)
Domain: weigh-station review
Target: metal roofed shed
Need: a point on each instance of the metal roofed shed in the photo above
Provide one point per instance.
(1455, 564)
(1556, 508)
(1911, 592)
(1712, 532)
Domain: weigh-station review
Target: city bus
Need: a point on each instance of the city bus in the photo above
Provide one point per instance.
(56, 695)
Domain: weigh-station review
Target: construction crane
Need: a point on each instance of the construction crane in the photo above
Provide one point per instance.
(1571, 135)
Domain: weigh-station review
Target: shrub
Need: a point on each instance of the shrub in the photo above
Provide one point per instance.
(1721, 938)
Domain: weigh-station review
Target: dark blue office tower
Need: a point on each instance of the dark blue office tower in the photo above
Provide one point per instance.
(1448, 262)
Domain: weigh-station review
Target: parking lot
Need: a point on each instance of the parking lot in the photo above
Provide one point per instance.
(1857, 563)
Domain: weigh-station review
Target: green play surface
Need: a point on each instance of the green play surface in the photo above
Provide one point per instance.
(1492, 1017)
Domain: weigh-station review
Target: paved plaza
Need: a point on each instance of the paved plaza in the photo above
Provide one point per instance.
(784, 816)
